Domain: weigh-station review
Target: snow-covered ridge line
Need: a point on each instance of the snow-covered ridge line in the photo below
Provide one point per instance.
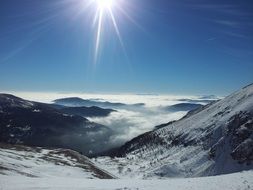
(217, 139)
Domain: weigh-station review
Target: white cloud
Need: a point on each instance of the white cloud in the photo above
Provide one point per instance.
(129, 124)
(126, 124)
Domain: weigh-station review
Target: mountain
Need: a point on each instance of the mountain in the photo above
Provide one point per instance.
(77, 102)
(200, 100)
(208, 97)
(86, 111)
(183, 107)
(212, 140)
(38, 124)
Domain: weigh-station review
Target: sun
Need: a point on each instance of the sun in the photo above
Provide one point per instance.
(105, 11)
(105, 4)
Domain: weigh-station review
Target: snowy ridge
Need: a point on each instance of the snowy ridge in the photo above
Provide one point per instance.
(36, 162)
(215, 140)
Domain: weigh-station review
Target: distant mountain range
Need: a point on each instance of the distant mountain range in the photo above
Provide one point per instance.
(211, 140)
(183, 107)
(93, 111)
(39, 124)
(201, 100)
(75, 102)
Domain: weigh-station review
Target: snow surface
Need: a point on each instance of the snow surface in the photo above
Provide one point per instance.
(26, 168)
(36, 162)
(236, 181)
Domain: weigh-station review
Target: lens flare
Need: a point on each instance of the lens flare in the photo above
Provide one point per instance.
(104, 11)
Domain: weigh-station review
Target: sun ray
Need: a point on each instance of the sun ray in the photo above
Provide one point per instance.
(116, 27)
(98, 34)
(131, 19)
(106, 10)
(118, 32)
(95, 19)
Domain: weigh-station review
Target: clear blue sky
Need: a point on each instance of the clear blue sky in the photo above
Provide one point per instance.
(178, 47)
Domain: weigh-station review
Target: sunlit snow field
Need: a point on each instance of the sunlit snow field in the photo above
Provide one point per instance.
(36, 168)
(237, 181)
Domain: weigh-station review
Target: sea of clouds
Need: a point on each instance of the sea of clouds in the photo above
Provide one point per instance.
(129, 122)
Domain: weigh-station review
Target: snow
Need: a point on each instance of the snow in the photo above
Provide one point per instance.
(30, 164)
(236, 181)
(36, 110)
(24, 168)
(38, 162)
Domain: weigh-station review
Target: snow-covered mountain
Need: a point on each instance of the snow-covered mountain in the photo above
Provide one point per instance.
(215, 139)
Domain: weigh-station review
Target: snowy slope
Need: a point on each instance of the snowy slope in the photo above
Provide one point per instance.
(217, 139)
(237, 181)
(27, 168)
(21, 161)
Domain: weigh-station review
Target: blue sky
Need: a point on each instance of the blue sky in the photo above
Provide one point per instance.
(174, 47)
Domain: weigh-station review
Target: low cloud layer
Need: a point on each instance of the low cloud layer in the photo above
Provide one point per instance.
(127, 123)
